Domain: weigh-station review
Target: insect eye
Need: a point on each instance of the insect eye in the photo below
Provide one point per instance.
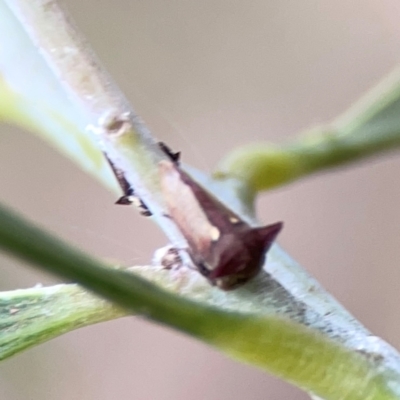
(203, 269)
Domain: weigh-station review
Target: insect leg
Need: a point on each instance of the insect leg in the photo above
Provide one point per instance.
(128, 196)
(174, 156)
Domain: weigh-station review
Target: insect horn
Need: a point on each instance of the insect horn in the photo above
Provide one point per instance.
(268, 234)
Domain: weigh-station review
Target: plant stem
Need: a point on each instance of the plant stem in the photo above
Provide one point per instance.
(119, 131)
(29, 317)
(361, 369)
(369, 128)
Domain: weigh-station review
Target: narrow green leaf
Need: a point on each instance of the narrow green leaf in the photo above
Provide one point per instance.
(329, 367)
(29, 317)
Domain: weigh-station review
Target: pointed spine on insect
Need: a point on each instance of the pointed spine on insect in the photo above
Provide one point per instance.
(223, 247)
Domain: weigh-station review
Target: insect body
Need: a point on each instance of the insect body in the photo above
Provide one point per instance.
(224, 248)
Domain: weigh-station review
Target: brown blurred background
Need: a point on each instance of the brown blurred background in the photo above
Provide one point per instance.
(208, 76)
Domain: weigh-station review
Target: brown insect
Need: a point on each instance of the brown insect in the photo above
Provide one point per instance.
(224, 248)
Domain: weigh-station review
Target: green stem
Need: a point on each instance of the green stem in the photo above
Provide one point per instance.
(107, 115)
(334, 370)
(129, 291)
(370, 127)
(29, 317)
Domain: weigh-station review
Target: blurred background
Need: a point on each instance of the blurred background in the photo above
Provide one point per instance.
(209, 76)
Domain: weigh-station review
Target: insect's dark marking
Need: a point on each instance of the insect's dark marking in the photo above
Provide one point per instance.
(171, 259)
(126, 200)
(224, 248)
(202, 268)
(174, 156)
(141, 207)
(128, 196)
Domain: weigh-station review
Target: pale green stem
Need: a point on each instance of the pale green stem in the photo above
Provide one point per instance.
(107, 115)
(29, 317)
(369, 128)
(351, 368)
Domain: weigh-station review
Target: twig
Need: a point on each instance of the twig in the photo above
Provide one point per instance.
(367, 129)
